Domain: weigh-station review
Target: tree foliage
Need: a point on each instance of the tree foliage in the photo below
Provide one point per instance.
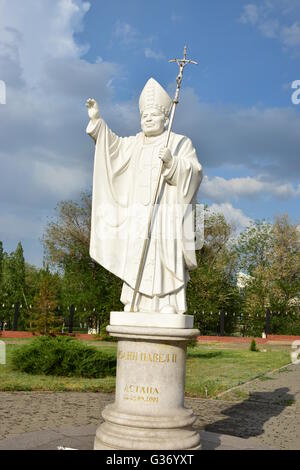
(12, 282)
(1, 261)
(270, 254)
(267, 252)
(45, 317)
(212, 285)
(66, 242)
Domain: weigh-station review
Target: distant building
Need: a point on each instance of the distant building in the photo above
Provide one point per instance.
(295, 301)
(242, 280)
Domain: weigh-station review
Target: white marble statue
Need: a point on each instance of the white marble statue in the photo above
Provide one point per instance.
(125, 175)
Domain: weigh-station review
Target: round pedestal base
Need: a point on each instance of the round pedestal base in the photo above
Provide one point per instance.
(149, 411)
(110, 436)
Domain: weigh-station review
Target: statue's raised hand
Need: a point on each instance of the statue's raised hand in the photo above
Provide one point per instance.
(93, 109)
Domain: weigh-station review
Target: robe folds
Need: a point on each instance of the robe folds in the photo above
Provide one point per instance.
(125, 175)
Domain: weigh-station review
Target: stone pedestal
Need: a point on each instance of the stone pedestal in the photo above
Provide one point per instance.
(149, 411)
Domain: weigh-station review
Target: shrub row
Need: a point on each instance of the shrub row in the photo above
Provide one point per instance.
(63, 356)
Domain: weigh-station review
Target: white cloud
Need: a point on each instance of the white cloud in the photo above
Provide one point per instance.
(17, 226)
(150, 54)
(75, 77)
(127, 36)
(250, 14)
(270, 28)
(35, 31)
(45, 154)
(62, 181)
(218, 189)
(254, 15)
(290, 35)
(124, 32)
(275, 19)
(265, 141)
(234, 216)
(175, 18)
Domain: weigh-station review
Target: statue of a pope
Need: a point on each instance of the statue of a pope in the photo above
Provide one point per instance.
(125, 174)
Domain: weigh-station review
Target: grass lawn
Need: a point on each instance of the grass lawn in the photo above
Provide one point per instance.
(210, 370)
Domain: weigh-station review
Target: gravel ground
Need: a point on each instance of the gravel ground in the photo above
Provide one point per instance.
(269, 411)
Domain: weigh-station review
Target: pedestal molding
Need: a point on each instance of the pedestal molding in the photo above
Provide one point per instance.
(178, 418)
(149, 411)
(109, 436)
(156, 333)
(148, 320)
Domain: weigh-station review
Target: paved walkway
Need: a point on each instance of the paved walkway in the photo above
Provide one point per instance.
(263, 414)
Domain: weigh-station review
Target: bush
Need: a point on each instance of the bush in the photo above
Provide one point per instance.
(106, 336)
(192, 343)
(253, 346)
(63, 356)
(285, 324)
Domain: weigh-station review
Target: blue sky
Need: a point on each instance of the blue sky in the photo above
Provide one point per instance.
(236, 104)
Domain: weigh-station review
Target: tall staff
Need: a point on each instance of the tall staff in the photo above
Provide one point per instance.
(181, 63)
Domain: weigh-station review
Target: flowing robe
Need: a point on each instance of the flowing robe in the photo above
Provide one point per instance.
(125, 175)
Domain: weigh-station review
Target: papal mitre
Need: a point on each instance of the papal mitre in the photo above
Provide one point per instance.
(154, 96)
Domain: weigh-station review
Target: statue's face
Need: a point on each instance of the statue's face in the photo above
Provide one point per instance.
(153, 122)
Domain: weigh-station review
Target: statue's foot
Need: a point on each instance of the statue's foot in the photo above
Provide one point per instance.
(168, 309)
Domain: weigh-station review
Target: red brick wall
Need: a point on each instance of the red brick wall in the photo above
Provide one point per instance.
(219, 339)
(229, 339)
(16, 334)
(235, 339)
(283, 338)
(29, 334)
(86, 336)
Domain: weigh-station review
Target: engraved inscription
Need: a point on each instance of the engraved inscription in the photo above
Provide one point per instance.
(146, 394)
(147, 357)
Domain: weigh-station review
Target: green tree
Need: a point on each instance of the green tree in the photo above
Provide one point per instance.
(32, 285)
(212, 286)
(18, 266)
(269, 253)
(85, 283)
(45, 318)
(254, 246)
(1, 262)
(13, 284)
(285, 277)
(2, 313)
